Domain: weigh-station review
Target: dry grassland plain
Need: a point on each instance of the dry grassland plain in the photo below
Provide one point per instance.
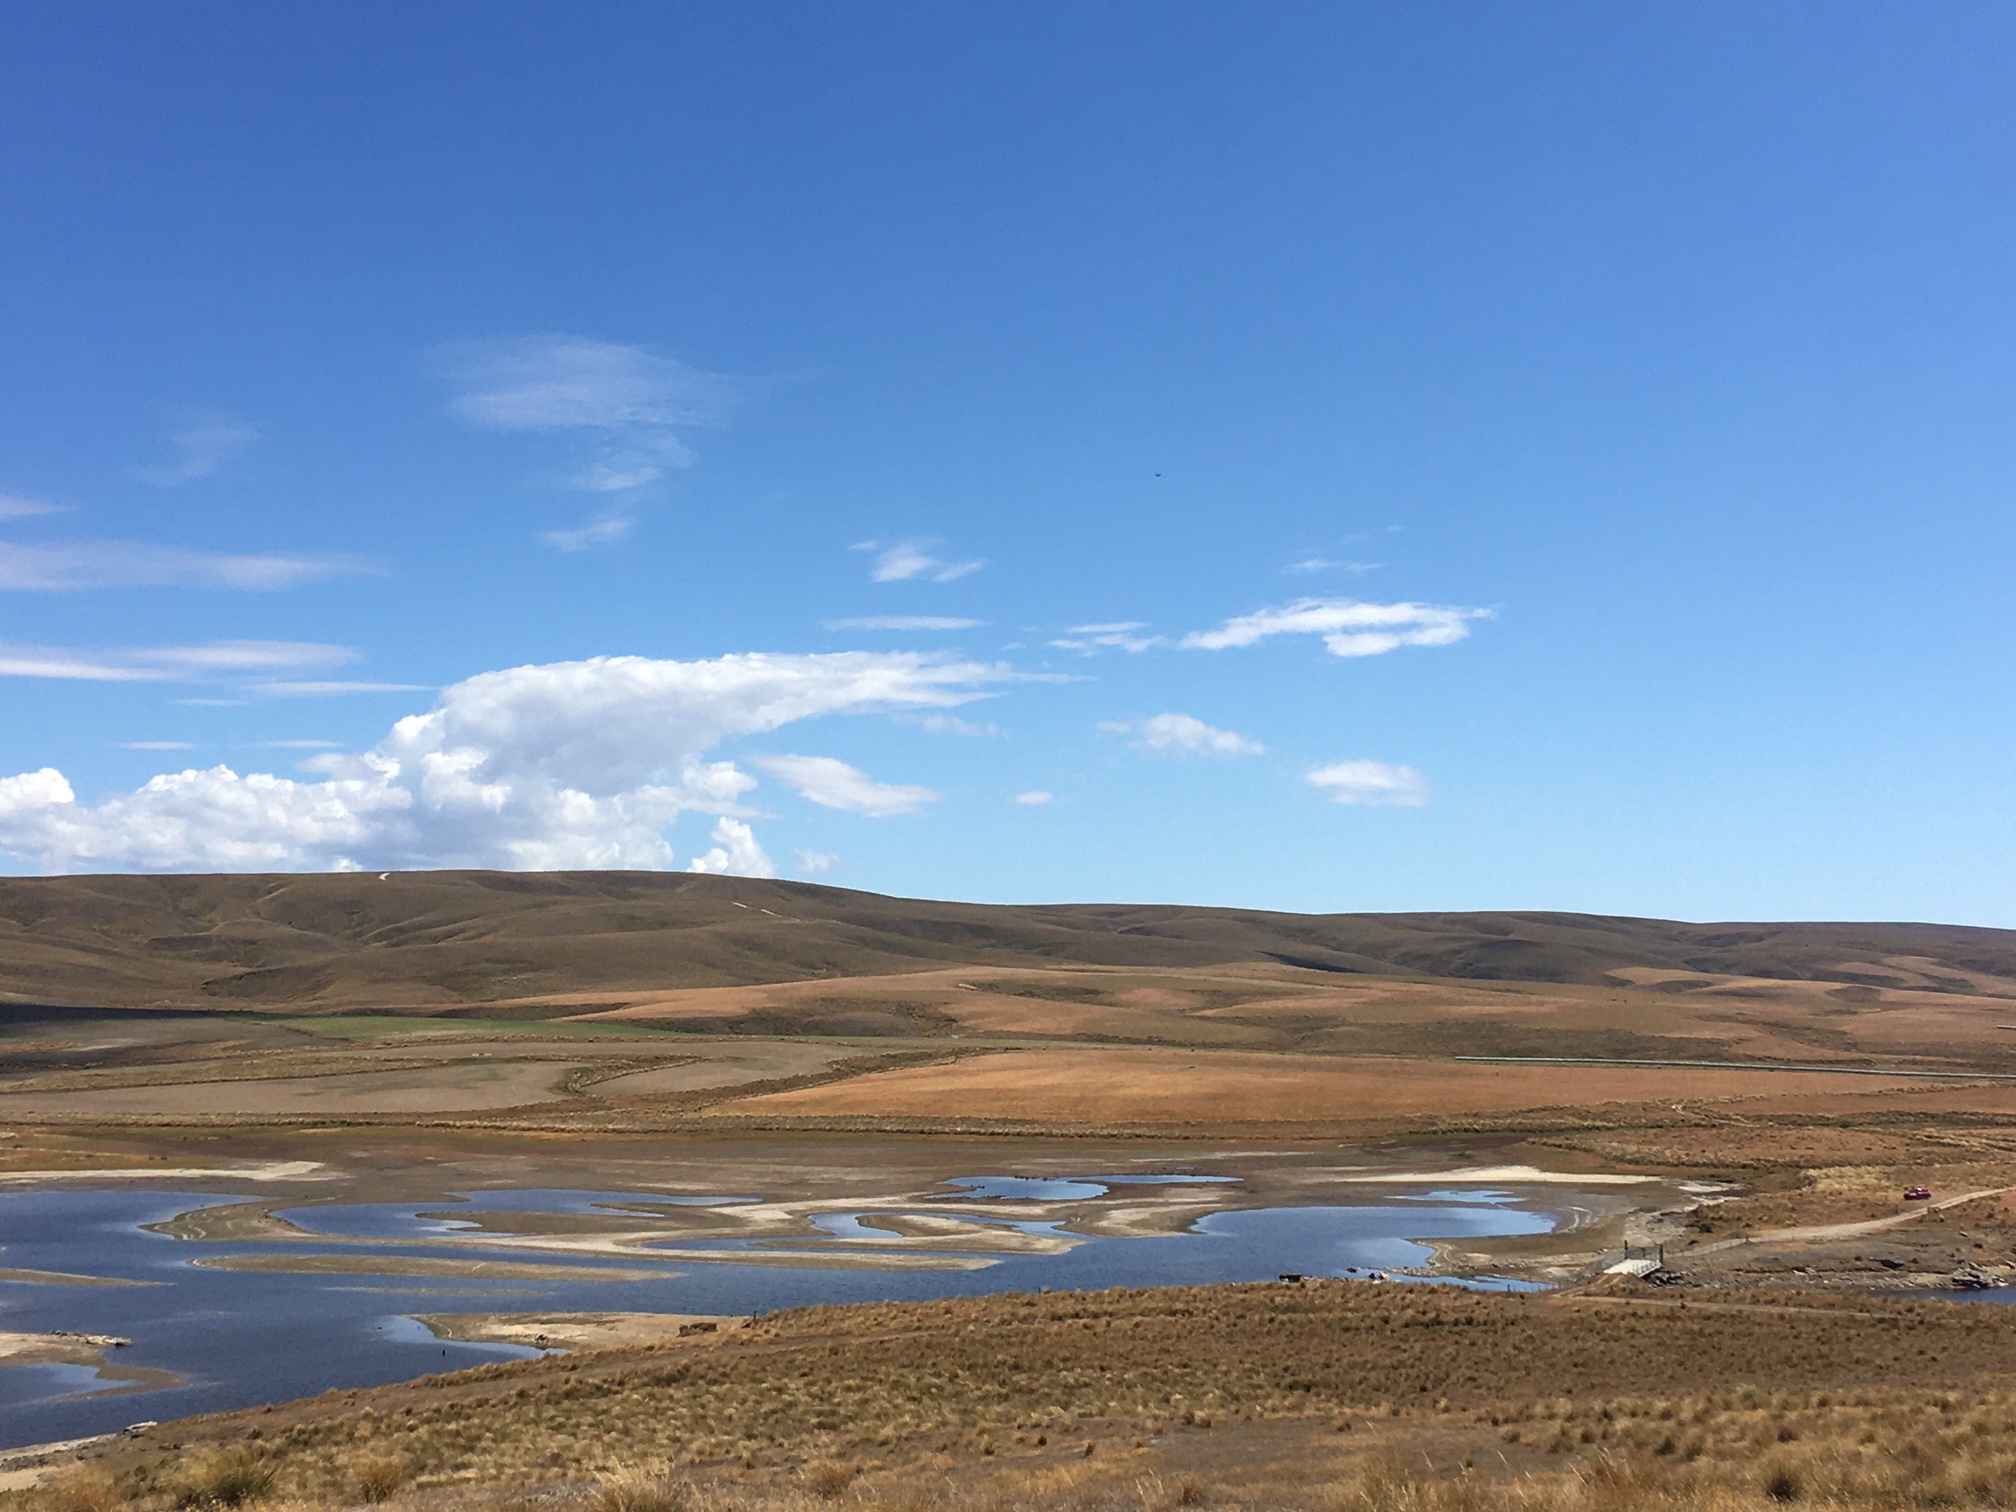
(1315, 1397)
(477, 1027)
(1771, 1088)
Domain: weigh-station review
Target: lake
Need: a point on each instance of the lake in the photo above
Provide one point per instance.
(234, 1338)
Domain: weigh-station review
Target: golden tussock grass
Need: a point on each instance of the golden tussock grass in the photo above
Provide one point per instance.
(1324, 1397)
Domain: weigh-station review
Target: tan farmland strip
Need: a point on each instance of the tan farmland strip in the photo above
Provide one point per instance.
(1072, 1085)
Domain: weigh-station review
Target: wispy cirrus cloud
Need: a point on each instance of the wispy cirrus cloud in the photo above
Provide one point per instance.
(1182, 735)
(16, 507)
(69, 566)
(248, 656)
(559, 382)
(904, 622)
(203, 440)
(627, 405)
(913, 560)
(168, 663)
(834, 784)
(948, 724)
(1348, 627)
(325, 688)
(603, 529)
(1370, 783)
(1314, 564)
(72, 666)
(1116, 635)
(1034, 798)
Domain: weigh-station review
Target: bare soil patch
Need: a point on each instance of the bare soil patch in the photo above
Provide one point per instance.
(580, 1330)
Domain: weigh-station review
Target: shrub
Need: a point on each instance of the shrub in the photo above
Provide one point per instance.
(1782, 1484)
(828, 1478)
(83, 1490)
(637, 1491)
(378, 1477)
(225, 1478)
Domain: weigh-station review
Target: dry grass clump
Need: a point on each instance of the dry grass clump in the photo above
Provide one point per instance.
(83, 1489)
(377, 1476)
(642, 1491)
(827, 1479)
(224, 1477)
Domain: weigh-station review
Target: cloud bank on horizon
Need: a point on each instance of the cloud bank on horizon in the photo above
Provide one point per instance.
(608, 761)
(570, 765)
(589, 764)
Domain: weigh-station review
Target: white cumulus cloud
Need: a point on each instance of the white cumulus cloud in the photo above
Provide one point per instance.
(1374, 783)
(1034, 798)
(1348, 627)
(834, 784)
(735, 853)
(1183, 735)
(565, 765)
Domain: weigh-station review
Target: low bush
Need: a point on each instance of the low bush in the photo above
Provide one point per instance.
(378, 1477)
(83, 1490)
(828, 1478)
(226, 1477)
(637, 1491)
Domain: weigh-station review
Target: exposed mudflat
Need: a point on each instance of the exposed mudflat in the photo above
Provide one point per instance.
(582, 1330)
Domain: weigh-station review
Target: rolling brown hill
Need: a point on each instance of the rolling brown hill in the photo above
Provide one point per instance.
(436, 940)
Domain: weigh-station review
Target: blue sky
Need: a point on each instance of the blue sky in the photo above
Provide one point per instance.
(1553, 456)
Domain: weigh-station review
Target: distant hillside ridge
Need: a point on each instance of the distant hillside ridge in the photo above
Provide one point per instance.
(429, 941)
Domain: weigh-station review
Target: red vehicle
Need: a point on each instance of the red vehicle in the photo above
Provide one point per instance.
(1917, 1194)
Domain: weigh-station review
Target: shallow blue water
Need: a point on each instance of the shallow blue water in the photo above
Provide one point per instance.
(1061, 1188)
(240, 1338)
(1991, 1294)
(437, 1216)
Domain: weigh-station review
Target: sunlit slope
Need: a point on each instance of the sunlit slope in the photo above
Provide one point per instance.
(441, 939)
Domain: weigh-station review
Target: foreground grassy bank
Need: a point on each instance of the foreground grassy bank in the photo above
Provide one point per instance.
(1317, 1395)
